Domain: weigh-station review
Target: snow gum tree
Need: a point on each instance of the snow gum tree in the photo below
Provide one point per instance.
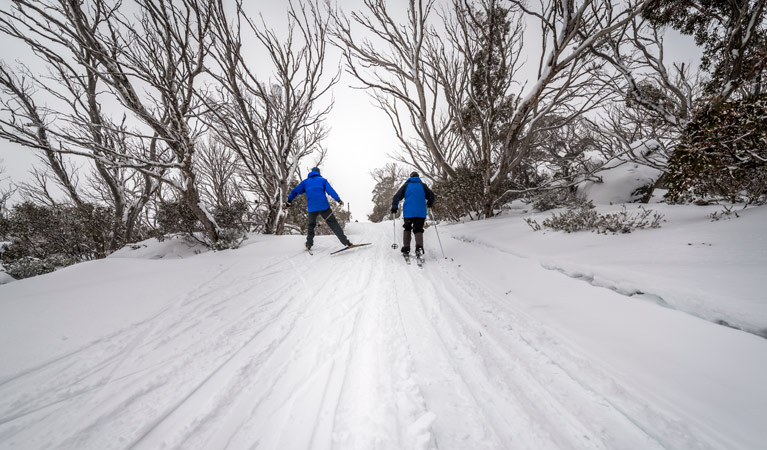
(719, 152)
(163, 54)
(273, 125)
(732, 34)
(470, 99)
(151, 66)
(76, 125)
(393, 65)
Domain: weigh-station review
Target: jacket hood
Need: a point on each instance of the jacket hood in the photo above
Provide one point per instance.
(313, 173)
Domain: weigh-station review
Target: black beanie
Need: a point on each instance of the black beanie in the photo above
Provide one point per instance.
(414, 174)
(316, 169)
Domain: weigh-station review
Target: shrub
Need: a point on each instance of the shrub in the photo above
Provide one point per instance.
(585, 217)
(40, 232)
(722, 154)
(29, 267)
(552, 199)
(175, 217)
(233, 216)
(229, 238)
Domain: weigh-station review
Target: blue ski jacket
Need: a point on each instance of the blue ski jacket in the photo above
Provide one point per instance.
(417, 197)
(315, 188)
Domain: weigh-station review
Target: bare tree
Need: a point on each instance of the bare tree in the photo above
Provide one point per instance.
(666, 94)
(162, 55)
(394, 66)
(23, 123)
(6, 192)
(219, 169)
(479, 76)
(656, 98)
(78, 124)
(566, 71)
(274, 125)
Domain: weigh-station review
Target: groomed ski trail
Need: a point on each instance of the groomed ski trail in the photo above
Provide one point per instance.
(358, 351)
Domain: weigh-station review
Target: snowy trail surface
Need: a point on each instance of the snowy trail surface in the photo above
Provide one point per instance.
(268, 347)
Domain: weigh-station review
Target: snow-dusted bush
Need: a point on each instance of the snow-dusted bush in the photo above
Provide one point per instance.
(460, 196)
(552, 199)
(41, 232)
(622, 181)
(229, 238)
(175, 218)
(723, 154)
(585, 217)
(464, 195)
(726, 212)
(27, 267)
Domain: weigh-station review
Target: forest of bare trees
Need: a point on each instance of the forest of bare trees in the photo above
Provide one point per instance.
(154, 117)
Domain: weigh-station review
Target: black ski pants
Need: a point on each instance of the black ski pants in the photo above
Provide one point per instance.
(330, 218)
(414, 225)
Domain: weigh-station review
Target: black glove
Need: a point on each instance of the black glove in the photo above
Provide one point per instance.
(288, 204)
(340, 203)
(394, 210)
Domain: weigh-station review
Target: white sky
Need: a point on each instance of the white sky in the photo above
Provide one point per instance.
(360, 137)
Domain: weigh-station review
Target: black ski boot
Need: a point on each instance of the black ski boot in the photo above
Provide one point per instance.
(419, 256)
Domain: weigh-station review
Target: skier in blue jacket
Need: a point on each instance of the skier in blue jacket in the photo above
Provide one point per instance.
(417, 197)
(315, 187)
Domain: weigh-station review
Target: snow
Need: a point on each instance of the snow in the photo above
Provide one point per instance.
(518, 339)
(5, 278)
(619, 183)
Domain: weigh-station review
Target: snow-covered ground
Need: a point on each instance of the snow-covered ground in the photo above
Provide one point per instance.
(518, 339)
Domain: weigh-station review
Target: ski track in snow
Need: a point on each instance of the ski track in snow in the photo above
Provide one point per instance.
(353, 351)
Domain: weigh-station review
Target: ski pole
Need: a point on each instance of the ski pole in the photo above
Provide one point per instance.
(394, 223)
(332, 211)
(435, 229)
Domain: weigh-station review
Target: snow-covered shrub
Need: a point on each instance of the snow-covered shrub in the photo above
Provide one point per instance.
(585, 217)
(233, 216)
(67, 233)
(726, 212)
(552, 199)
(464, 195)
(175, 217)
(27, 267)
(229, 238)
(460, 196)
(723, 154)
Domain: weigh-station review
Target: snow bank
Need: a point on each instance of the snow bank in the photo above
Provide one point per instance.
(713, 270)
(622, 179)
(170, 248)
(620, 184)
(5, 278)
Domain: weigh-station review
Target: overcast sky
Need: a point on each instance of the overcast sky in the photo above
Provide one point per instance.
(360, 135)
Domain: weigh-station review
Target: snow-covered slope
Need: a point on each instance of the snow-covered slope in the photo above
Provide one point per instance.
(517, 340)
